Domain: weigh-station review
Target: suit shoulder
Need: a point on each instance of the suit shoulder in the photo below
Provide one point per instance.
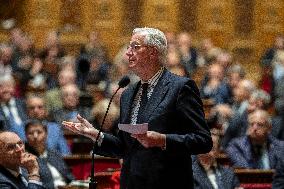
(181, 81)
(239, 141)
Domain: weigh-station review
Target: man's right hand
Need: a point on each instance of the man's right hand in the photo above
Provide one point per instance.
(83, 127)
(29, 161)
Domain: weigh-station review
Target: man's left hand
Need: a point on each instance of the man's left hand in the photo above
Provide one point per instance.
(151, 139)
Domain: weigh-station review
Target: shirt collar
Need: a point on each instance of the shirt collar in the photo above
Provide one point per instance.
(154, 79)
(44, 154)
(15, 173)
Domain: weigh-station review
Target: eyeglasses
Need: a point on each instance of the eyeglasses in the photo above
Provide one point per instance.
(134, 46)
(14, 146)
(34, 107)
(258, 124)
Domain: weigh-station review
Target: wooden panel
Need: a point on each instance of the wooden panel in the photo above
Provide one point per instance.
(215, 20)
(107, 21)
(244, 17)
(71, 15)
(268, 22)
(188, 15)
(132, 16)
(162, 14)
(41, 16)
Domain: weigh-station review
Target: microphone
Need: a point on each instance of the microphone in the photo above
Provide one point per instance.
(124, 81)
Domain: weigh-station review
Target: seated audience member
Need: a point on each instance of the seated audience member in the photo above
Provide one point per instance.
(36, 109)
(278, 179)
(215, 87)
(188, 52)
(238, 125)
(234, 75)
(207, 173)
(18, 169)
(53, 96)
(12, 109)
(241, 95)
(53, 170)
(71, 107)
(111, 120)
(258, 149)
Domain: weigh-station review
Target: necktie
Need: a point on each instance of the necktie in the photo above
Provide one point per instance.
(258, 154)
(143, 103)
(218, 178)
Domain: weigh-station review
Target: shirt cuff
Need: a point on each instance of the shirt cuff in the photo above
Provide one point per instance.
(35, 182)
(100, 139)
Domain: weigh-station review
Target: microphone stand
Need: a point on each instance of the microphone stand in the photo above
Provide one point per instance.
(93, 183)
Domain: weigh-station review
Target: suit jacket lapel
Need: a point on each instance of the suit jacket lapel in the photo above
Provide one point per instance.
(127, 102)
(158, 95)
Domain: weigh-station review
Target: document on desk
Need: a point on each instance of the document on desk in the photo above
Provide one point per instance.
(134, 129)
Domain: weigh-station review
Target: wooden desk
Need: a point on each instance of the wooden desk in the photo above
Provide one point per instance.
(254, 175)
(78, 144)
(80, 165)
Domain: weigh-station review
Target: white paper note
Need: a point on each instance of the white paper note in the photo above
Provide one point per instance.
(134, 129)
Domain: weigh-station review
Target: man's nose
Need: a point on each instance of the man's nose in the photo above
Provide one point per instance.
(129, 52)
(35, 134)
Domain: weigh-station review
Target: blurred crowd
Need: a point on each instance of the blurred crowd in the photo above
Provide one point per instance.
(39, 88)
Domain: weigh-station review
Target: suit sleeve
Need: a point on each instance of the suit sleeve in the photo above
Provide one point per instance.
(196, 137)
(235, 154)
(278, 180)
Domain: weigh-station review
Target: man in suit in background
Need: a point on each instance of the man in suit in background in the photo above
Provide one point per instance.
(209, 174)
(53, 170)
(258, 149)
(12, 109)
(278, 179)
(14, 162)
(159, 158)
(36, 109)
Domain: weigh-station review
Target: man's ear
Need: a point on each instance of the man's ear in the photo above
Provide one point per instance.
(154, 51)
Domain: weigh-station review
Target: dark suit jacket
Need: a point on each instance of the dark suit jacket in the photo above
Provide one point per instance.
(21, 107)
(278, 179)
(237, 127)
(201, 181)
(174, 109)
(56, 160)
(240, 152)
(8, 181)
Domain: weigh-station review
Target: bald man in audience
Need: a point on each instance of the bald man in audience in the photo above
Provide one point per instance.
(18, 169)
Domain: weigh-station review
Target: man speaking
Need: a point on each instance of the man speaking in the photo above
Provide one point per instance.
(170, 105)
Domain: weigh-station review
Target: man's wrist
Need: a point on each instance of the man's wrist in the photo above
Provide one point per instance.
(34, 176)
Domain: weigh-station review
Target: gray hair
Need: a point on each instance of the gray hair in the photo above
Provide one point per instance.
(156, 38)
(263, 113)
(237, 68)
(260, 94)
(7, 78)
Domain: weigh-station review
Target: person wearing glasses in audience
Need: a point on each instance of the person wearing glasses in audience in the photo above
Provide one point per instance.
(53, 170)
(18, 169)
(258, 149)
(170, 104)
